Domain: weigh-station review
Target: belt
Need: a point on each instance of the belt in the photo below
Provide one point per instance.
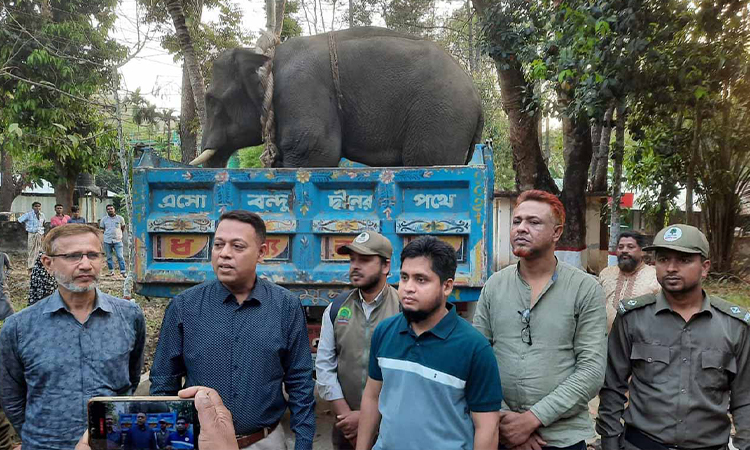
(643, 442)
(246, 440)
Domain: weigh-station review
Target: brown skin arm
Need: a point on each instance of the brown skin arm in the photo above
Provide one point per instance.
(486, 432)
(369, 416)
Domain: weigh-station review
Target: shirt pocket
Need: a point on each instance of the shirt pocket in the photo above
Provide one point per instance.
(650, 362)
(716, 369)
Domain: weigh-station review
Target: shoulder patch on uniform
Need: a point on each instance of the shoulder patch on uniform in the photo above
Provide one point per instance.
(636, 303)
(730, 309)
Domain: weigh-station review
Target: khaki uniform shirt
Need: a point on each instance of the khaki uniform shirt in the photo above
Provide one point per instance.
(685, 376)
(563, 369)
(619, 285)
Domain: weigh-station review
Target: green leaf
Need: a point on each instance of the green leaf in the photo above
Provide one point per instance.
(14, 128)
(74, 140)
(700, 92)
(60, 126)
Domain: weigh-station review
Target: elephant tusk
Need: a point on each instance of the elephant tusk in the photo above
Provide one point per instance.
(203, 157)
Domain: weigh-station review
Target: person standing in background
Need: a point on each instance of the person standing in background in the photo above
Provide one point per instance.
(113, 225)
(75, 215)
(59, 218)
(34, 222)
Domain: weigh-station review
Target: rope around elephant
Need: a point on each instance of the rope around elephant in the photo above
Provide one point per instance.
(267, 46)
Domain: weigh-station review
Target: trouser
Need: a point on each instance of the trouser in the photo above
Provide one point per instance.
(579, 446)
(339, 441)
(117, 248)
(6, 432)
(274, 441)
(34, 245)
(6, 309)
(634, 439)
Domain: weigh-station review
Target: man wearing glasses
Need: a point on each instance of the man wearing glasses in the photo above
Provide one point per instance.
(73, 345)
(547, 324)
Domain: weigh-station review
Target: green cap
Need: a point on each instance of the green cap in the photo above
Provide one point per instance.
(681, 238)
(368, 243)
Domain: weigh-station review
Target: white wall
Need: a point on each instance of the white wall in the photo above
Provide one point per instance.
(92, 208)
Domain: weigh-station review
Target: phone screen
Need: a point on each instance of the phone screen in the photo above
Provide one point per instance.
(135, 423)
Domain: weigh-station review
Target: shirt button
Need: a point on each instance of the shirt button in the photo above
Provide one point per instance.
(235, 395)
(649, 359)
(680, 420)
(684, 360)
(682, 390)
(234, 367)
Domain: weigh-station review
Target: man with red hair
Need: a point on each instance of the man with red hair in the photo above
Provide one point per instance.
(547, 325)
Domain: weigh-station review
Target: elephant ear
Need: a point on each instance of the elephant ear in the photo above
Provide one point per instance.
(248, 64)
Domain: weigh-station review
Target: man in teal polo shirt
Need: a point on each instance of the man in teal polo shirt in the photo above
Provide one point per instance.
(433, 379)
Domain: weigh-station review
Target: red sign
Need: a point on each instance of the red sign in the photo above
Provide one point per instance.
(626, 201)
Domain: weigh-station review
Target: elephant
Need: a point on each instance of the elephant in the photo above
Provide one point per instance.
(368, 94)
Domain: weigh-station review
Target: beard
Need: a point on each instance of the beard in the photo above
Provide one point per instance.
(627, 263)
(366, 284)
(69, 284)
(420, 315)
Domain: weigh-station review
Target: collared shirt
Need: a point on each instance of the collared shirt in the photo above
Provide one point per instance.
(432, 383)
(51, 365)
(244, 351)
(326, 360)
(563, 368)
(112, 227)
(32, 223)
(619, 285)
(685, 376)
(140, 437)
(76, 220)
(56, 220)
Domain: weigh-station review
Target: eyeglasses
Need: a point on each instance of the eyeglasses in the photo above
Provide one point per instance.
(526, 330)
(76, 257)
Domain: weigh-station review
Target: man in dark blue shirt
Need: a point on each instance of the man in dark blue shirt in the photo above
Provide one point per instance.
(140, 436)
(182, 438)
(243, 336)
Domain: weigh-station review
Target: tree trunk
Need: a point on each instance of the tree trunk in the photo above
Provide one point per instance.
(280, 7)
(351, 13)
(596, 135)
(546, 140)
(470, 44)
(64, 190)
(271, 15)
(617, 155)
(661, 218)
(574, 185)
(197, 84)
(169, 139)
(694, 158)
(528, 162)
(188, 136)
(11, 186)
(602, 164)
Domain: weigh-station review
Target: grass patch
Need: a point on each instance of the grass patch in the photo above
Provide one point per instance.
(737, 292)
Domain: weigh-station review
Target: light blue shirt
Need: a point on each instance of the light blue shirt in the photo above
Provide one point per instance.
(33, 225)
(112, 227)
(51, 365)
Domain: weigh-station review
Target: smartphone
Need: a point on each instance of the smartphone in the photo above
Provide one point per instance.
(135, 423)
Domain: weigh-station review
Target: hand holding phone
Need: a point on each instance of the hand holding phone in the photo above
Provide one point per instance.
(217, 430)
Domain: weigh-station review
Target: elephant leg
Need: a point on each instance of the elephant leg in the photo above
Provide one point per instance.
(316, 145)
(438, 142)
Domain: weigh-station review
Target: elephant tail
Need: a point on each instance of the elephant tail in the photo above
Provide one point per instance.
(477, 136)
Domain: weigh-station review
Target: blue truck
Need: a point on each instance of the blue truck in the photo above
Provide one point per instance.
(309, 213)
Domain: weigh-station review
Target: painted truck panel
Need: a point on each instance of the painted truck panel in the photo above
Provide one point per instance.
(309, 213)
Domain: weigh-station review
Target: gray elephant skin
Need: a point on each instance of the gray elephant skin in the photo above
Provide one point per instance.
(404, 102)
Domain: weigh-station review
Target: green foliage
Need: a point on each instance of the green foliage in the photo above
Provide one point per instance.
(291, 27)
(250, 157)
(54, 75)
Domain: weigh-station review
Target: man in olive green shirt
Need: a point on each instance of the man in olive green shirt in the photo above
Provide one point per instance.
(682, 355)
(547, 324)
